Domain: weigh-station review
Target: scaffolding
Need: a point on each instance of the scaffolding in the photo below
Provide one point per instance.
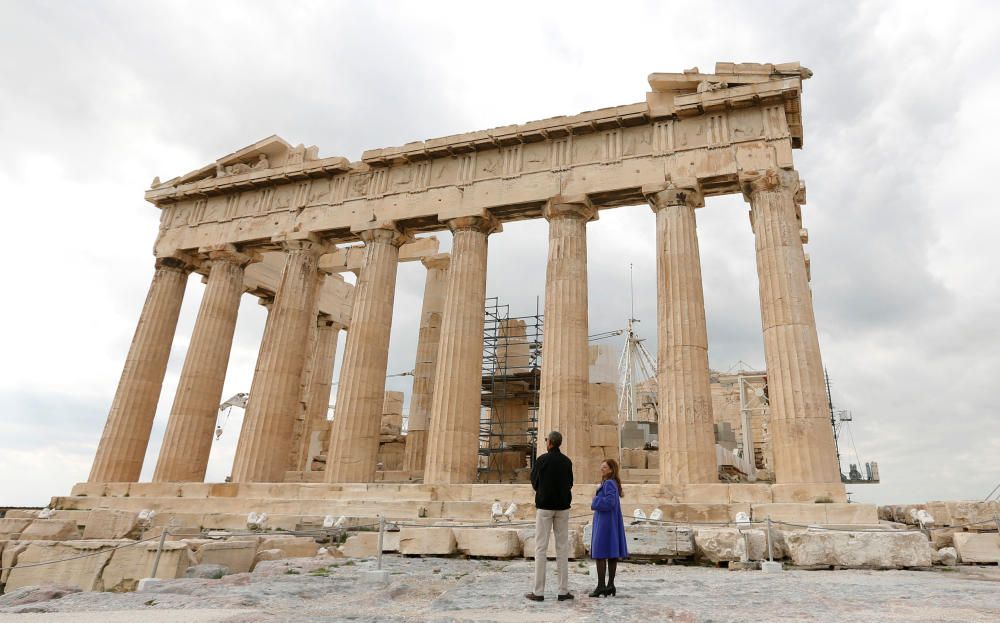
(511, 376)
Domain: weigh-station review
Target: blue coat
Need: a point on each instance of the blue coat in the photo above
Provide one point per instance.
(607, 539)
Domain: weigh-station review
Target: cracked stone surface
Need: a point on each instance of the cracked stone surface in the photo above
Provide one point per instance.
(436, 589)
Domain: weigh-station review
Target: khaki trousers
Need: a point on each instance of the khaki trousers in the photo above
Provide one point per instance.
(546, 522)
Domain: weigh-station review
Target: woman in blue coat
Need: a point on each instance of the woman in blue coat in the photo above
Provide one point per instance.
(607, 538)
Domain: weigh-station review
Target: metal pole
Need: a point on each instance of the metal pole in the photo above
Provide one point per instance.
(381, 535)
(770, 552)
(159, 550)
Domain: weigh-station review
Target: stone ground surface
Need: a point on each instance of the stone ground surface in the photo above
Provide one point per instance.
(429, 589)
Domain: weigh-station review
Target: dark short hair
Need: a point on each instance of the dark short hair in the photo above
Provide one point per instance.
(555, 437)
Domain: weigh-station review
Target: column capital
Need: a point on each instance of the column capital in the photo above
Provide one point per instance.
(325, 320)
(299, 241)
(782, 180)
(485, 224)
(177, 260)
(229, 253)
(571, 206)
(440, 261)
(391, 235)
(681, 191)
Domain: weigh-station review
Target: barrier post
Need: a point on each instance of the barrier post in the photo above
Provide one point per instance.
(159, 551)
(381, 536)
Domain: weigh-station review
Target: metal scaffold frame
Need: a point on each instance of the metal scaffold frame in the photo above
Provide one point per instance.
(506, 379)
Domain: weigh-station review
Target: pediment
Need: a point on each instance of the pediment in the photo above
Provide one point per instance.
(268, 153)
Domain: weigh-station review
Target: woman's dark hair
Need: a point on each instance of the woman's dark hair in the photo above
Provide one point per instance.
(613, 466)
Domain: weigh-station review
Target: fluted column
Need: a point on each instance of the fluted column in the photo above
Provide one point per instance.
(686, 427)
(453, 437)
(126, 433)
(188, 438)
(435, 287)
(317, 401)
(565, 355)
(358, 414)
(263, 447)
(801, 433)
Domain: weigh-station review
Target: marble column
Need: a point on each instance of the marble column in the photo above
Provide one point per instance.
(424, 369)
(317, 400)
(686, 426)
(263, 447)
(126, 433)
(188, 438)
(358, 414)
(453, 437)
(801, 433)
(305, 385)
(565, 354)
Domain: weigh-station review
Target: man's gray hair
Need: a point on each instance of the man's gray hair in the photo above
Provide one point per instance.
(555, 437)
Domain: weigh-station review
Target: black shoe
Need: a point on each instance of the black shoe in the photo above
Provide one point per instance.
(534, 597)
(611, 590)
(565, 597)
(597, 592)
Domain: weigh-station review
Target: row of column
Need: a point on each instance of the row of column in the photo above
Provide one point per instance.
(445, 407)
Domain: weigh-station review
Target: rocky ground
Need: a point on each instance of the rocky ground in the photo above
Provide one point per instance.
(434, 589)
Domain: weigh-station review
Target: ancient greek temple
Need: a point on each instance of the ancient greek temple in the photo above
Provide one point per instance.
(282, 223)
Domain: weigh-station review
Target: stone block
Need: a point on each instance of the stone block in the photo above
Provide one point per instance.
(110, 524)
(90, 489)
(714, 493)
(390, 541)
(83, 573)
(360, 545)
(489, 542)
(730, 544)
(604, 435)
(427, 541)
(51, 530)
(809, 492)
(268, 554)
(9, 556)
(653, 459)
(633, 458)
(654, 541)
(128, 565)
(238, 556)
(879, 550)
(947, 556)
(575, 537)
(943, 537)
(11, 529)
(979, 548)
(292, 546)
(798, 514)
(844, 514)
(750, 493)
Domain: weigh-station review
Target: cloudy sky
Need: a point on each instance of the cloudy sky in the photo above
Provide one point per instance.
(97, 98)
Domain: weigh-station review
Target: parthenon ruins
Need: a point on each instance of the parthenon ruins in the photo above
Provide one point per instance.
(281, 222)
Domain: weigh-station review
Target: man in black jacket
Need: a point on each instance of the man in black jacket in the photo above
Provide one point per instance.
(552, 480)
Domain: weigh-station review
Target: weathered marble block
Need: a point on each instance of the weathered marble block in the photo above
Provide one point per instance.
(427, 541)
(880, 550)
